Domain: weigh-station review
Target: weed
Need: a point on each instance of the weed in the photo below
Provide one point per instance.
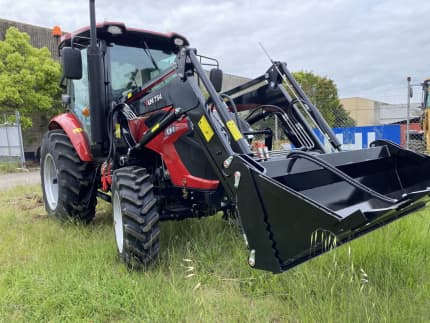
(9, 167)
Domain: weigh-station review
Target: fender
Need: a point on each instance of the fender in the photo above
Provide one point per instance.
(164, 145)
(76, 133)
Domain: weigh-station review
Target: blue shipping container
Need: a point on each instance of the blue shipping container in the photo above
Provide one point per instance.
(353, 138)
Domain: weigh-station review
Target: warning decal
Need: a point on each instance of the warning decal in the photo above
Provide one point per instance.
(234, 130)
(206, 128)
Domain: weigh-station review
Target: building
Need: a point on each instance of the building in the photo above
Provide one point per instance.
(398, 113)
(368, 112)
(39, 36)
(230, 81)
(363, 111)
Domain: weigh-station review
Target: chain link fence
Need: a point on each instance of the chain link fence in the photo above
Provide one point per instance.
(11, 143)
(416, 140)
(371, 120)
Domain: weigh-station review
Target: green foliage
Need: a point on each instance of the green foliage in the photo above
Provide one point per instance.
(68, 273)
(29, 77)
(342, 117)
(25, 121)
(322, 92)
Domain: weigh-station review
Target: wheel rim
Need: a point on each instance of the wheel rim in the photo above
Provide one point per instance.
(117, 219)
(50, 181)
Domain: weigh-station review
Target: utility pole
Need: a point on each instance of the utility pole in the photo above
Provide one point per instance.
(408, 111)
(21, 142)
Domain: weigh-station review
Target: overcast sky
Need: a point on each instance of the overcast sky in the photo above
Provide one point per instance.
(367, 47)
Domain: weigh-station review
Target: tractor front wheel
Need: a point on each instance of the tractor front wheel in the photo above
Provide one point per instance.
(135, 216)
(67, 182)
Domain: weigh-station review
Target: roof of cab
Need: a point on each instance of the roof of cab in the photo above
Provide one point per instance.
(128, 36)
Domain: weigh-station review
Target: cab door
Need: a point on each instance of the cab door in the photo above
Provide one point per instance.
(79, 96)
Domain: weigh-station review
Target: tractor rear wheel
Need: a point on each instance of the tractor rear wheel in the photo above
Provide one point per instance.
(135, 216)
(67, 182)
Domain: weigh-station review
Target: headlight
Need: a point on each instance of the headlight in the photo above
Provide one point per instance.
(114, 30)
(178, 41)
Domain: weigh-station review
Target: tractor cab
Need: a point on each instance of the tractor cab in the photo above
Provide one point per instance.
(130, 59)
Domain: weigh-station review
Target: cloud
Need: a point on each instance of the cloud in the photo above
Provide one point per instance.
(368, 48)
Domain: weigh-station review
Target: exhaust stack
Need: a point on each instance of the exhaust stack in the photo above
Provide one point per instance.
(96, 90)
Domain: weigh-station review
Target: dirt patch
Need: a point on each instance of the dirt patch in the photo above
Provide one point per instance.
(15, 179)
(31, 204)
(27, 202)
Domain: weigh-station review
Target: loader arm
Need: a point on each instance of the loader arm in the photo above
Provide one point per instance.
(298, 204)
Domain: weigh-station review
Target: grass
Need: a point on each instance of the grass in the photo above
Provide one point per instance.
(60, 273)
(9, 167)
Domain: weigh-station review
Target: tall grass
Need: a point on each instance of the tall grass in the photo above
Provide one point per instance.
(8, 167)
(52, 272)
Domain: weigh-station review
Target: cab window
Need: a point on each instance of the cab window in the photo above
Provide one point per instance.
(131, 67)
(78, 91)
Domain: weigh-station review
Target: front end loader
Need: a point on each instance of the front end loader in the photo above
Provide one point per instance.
(157, 138)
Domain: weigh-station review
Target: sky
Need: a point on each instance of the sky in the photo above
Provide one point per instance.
(368, 48)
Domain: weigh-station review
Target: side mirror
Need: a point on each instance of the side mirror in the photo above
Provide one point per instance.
(72, 63)
(216, 78)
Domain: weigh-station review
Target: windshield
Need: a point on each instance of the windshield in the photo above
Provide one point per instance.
(131, 67)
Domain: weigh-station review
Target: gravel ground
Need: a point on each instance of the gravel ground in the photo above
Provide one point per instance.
(16, 179)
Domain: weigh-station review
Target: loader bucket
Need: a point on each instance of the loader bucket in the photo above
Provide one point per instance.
(297, 207)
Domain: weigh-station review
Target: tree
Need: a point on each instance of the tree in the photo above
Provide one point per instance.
(29, 77)
(322, 92)
(342, 117)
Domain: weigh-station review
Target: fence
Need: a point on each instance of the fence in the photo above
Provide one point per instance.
(11, 145)
(366, 112)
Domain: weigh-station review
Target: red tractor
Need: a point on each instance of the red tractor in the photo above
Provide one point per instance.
(149, 131)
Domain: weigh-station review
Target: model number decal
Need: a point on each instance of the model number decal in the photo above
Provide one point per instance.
(154, 99)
